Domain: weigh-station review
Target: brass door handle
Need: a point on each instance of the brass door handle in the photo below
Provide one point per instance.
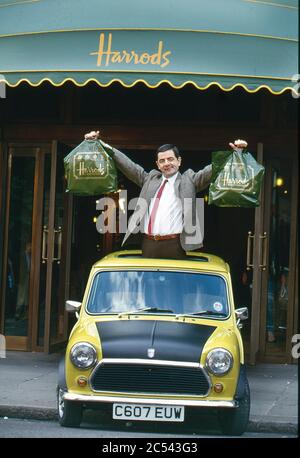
(263, 238)
(45, 245)
(59, 241)
(250, 236)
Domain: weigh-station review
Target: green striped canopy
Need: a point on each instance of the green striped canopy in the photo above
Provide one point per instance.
(229, 43)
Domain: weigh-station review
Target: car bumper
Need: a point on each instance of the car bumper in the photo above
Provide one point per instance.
(177, 402)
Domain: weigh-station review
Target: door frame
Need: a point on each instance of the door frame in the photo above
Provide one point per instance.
(292, 286)
(3, 172)
(262, 266)
(65, 262)
(50, 249)
(256, 261)
(38, 152)
(24, 343)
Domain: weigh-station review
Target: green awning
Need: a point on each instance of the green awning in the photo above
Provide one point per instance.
(248, 43)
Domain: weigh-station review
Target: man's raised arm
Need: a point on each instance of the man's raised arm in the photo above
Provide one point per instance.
(202, 178)
(134, 172)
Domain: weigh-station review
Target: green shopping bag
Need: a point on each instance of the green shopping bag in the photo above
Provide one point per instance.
(236, 179)
(90, 170)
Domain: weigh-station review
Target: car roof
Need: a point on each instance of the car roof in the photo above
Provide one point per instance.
(133, 258)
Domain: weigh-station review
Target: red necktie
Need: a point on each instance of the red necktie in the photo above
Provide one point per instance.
(155, 207)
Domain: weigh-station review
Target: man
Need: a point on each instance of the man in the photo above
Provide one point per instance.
(166, 211)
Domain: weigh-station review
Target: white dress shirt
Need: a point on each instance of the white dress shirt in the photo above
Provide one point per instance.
(168, 219)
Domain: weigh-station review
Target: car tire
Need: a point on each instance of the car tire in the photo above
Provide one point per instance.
(234, 422)
(69, 413)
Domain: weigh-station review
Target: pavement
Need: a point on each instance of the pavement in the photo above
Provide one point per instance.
(28, 390)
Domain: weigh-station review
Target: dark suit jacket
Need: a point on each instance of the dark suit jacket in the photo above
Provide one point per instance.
(186, 186)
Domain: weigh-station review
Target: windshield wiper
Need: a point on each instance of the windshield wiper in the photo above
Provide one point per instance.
(155, 309)
(203, 312)
(146, 309)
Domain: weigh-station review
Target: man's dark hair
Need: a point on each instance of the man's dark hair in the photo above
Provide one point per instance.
(166, 147)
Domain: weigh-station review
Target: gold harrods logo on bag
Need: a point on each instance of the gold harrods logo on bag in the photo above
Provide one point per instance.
(236, 176)
(89, 165)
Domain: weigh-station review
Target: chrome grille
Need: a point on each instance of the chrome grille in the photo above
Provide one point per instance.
(150, 378)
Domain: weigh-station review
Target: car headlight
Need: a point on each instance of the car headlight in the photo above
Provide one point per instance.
(219, 361)
(83, 355)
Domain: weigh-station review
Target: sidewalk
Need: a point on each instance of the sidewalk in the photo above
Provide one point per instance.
(28, 390)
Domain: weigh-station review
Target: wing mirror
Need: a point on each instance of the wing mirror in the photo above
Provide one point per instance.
(73, 307)
(241, 314)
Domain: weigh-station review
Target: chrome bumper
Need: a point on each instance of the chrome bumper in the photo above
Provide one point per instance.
(128, 400)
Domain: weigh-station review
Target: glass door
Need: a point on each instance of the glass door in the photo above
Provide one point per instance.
(36, 249)
(22, 201)
(55, 254)
(271, 262)
(279, 258)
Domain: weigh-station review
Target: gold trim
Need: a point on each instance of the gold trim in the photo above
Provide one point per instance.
(152, 72)
(280, 5)
(116, 80)
(147, 30)
(19, 3)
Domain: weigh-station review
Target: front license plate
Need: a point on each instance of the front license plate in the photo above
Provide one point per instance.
(148, 412)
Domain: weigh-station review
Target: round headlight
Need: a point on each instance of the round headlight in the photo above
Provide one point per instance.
(83, 355)
(219, 361)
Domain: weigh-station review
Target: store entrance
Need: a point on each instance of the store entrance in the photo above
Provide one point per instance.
(36, 253)
(277, 268)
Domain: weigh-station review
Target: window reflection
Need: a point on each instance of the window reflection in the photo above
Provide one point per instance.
(121, 291)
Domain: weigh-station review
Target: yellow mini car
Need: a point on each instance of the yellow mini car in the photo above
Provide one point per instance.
(154, 339)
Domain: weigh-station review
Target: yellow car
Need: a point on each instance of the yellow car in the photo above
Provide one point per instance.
(155, 339)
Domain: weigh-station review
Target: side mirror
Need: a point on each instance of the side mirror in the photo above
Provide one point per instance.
(73, 306)
(241, 314)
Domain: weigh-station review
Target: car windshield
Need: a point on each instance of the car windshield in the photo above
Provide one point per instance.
(158, 292)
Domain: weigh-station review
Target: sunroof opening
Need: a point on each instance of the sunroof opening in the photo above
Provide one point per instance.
(139, 255)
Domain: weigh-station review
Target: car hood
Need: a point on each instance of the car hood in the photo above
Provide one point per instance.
(166, 340)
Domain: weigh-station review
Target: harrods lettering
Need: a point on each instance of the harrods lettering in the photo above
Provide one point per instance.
(236, 177)
(89, 165)
(90, 171)
(108, 56)
(229, 181)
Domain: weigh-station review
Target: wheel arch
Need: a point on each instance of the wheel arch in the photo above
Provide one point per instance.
(242, 383)
(62, 383)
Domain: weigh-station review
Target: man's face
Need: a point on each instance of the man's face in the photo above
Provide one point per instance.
(168, 163)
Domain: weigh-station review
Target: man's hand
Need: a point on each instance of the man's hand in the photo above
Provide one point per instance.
(238, 145)
(93, 135)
